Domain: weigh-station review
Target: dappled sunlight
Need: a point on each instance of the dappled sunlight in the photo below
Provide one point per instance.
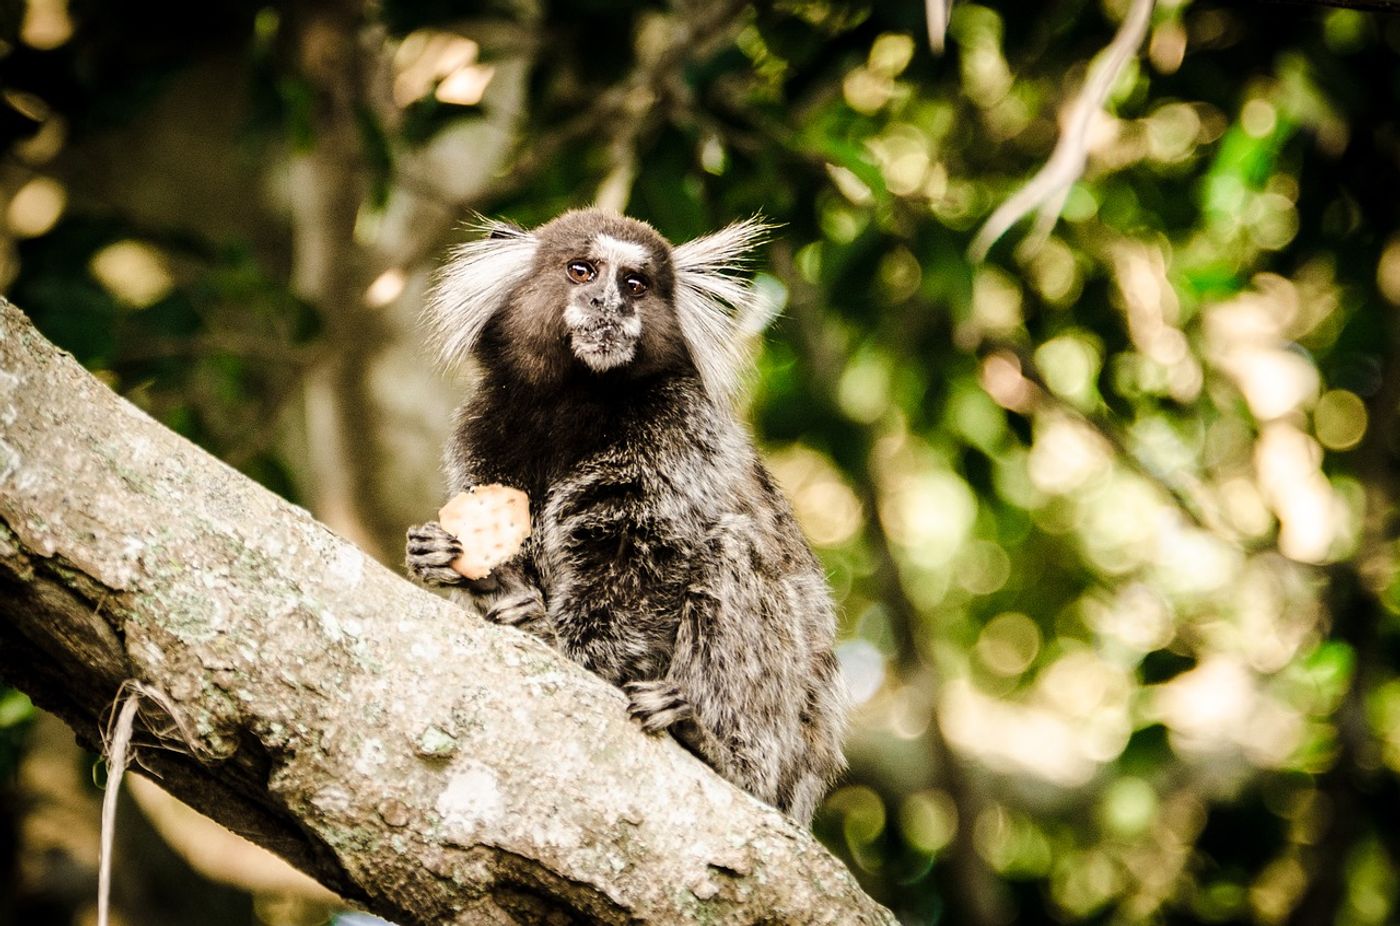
(386, 287)
(928, 515)
(1108, 512)
(443, 64)
(134, 272)
(1276, 619)
(1388, 271)
(1122, 524)
(864, 388)
(35, 208)
(1137, 619)
(1219, 707)
(926, 509)
(1008, 644)
(46, 24)
(1194, 564)
(1167, 364)
(862, 668)
(996, 308)
(928, 820)
(824, 503)
(1340, 419)
(1310, 514)
(1066, 455)
(1248, 339)
(1003, 380)
(1070, 364)
(1027, 739)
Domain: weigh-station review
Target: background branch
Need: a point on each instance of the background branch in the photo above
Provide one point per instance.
(980, 898)
(1046, 191)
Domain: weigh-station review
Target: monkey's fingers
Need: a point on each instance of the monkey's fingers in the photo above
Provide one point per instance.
(435, 575)
(657, 704)
(518, 609)
(431, 556)
(664, 720)
(431, 534)
(429, 546)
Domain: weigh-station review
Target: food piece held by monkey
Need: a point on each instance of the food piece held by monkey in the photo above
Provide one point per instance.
(491, 521)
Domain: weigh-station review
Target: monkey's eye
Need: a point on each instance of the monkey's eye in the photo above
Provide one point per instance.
(636, 284)
(580, 271)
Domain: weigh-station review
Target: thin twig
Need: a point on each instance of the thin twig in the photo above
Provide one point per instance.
(938, 12)
(117, 751)
(118, 739)
(1046, 191)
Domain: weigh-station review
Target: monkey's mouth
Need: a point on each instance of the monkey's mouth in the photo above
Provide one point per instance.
(603, 342)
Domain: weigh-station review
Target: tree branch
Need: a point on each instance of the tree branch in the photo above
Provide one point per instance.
(937, 13)
(416, 760)
(1045, 192)
(1374, 6)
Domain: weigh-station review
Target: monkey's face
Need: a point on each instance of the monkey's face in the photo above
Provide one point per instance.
(609, 299)
(598, 298)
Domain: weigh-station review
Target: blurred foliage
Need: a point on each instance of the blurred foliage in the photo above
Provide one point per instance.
(1111, 516)
(15, 715)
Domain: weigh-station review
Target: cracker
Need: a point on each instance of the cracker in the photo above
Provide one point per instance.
(491, 522)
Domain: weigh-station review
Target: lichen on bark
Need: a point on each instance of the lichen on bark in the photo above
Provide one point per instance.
(424, 764)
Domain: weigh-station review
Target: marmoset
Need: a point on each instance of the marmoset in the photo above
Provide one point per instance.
(663, 556)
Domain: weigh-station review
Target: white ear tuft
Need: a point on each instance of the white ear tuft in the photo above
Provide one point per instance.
(474, 285)
(714, 304)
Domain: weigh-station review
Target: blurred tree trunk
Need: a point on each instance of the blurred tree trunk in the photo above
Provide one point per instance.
(374, 403)
(417, 761)
(330, 270)
(361, 429)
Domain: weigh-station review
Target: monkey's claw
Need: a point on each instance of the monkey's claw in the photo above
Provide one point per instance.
(657, 704)
(522, 609)
(430, 552)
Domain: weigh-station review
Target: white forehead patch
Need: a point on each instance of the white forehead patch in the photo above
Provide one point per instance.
(619, 253)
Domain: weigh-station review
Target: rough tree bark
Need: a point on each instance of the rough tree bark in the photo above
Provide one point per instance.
(418, 761)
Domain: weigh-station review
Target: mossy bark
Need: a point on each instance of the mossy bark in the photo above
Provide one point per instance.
(420, 762)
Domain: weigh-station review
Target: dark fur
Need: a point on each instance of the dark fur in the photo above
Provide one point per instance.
(663, 557)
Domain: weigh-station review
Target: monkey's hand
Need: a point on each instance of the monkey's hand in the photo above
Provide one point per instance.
(660, 707)
(431, 551)
(519, 605)
(658, 704)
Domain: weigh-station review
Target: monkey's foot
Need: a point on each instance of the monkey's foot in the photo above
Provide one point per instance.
(657, 704)
(523, 609)
(430, 552)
